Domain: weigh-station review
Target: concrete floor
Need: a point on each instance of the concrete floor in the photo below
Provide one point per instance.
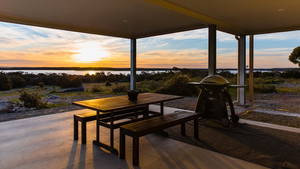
(47, 142)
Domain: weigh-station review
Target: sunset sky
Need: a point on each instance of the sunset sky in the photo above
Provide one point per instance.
(28, 46)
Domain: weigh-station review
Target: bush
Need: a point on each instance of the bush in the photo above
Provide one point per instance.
(149, 85)
(117, 89)
(41, 85)
(69, 81)
(32, 99)
(268, 80)
(17, 81)
(264, 88)
(107, 83)
(95, 88)
(291, 74)
(5, 82)
(178, 85)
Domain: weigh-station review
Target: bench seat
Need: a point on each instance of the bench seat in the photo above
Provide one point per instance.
(104, 118)
(155, 124)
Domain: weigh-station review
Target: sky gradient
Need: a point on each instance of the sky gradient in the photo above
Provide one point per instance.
(28, 46)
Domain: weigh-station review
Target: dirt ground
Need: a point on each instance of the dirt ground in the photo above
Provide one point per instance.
(285, 102)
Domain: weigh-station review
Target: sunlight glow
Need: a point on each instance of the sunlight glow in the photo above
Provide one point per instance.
(89, 52)
(92, 73)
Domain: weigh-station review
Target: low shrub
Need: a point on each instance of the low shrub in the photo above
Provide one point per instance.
(119, 88)
(149, 85)
(5, 82)
(264, 88)
(41, 85)
(269, 80)
(178, 85)
(95, 88)
(107, 83)
(69, 81)
(32, 99)
(291, 74)
(17, 81)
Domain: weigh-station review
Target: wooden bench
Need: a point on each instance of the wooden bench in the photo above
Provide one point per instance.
(90, 116)
(144, 127)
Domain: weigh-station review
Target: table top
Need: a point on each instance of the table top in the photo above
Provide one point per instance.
(121, 102)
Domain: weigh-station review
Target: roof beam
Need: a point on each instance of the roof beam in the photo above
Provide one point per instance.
(194, 14)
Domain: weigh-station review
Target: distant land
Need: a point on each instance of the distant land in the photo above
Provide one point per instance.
(128, 69)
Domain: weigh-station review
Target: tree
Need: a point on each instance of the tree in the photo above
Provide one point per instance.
(295, 56)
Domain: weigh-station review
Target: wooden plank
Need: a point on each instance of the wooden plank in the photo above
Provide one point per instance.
(120, 102)
(148, 126)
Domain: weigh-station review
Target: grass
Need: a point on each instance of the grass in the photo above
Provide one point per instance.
(288, 90)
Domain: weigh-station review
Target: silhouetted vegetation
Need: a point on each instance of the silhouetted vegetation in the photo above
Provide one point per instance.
(178, 85)
(171, 81)
(295, 56)
(5, 82)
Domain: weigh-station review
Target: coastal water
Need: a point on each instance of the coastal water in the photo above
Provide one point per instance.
(126, 72)
(79, 72)
(92, 72)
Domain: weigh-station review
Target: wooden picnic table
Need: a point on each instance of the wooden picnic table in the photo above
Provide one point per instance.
(117, 104)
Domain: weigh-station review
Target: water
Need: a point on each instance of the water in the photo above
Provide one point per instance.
(92, 72)
(80, 72)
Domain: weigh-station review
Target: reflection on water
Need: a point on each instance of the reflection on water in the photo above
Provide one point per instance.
(92, 73)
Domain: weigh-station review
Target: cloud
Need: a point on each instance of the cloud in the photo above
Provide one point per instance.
(22, 45)
(279, 36)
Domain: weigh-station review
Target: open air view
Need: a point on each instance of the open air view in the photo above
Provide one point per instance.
(150, 84)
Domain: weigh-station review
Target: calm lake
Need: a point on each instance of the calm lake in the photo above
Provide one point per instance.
(92, 72)
(79, 72)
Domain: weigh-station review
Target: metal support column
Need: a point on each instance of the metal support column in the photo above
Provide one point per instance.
(241, 80)
(251, 65)
(212, 49)
(132, 64)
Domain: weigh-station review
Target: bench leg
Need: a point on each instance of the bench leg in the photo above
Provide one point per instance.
(196, 129)
(135, 159)
(122, 144)
(111, 130)
(83, 132)
(183, 129)
(97, 127)
(75, 128)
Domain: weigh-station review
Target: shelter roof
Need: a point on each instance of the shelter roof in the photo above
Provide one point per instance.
(144, 18)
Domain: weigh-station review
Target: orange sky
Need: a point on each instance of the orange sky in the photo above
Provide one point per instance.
(27, 46)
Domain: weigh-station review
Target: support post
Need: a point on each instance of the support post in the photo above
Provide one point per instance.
(251, 65)
(133, 64)
(212, 49)
(241, 94)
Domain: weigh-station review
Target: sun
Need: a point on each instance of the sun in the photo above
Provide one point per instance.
(89, 52)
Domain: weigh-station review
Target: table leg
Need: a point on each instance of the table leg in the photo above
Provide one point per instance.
(83, 132)
(75, 128)
(162, 108)
(196, 128)
(97, 127)
(183, 129)
(97, 141)
(122, 144)
(135, 159)
(146, 113)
